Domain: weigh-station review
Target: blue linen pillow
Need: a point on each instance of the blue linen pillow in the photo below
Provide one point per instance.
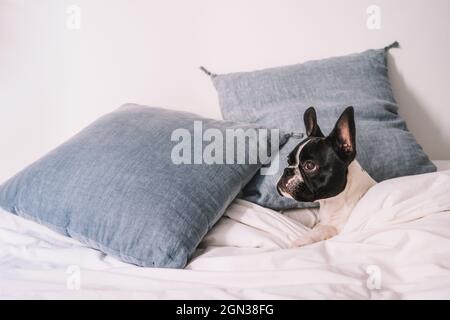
(279, 96)
(114, 187)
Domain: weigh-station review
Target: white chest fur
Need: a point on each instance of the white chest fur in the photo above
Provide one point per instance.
(335, 211)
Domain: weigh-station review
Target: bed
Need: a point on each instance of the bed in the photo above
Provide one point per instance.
(395, 245)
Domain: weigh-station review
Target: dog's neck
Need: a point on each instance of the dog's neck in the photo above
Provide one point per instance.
(335, 211)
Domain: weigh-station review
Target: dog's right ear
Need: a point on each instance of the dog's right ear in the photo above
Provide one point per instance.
(311, 126)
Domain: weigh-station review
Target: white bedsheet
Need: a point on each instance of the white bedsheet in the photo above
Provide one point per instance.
(400, 230)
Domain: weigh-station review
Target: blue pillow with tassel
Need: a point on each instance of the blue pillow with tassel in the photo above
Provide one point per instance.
(278, 97)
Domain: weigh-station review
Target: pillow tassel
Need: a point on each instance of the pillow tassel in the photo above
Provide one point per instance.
(207, 72)
(395, 44)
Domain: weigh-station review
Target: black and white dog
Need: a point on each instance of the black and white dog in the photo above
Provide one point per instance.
(324, 169)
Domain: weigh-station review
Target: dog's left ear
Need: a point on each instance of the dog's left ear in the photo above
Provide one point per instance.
(311, 126)
(343, 136)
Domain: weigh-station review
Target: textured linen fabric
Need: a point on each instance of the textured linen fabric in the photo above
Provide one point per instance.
(114, 187)
(279, 96)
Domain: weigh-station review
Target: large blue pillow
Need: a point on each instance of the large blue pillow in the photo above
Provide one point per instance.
(115, 187)
(279, 96)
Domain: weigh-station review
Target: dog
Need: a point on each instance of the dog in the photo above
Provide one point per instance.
(324, 169)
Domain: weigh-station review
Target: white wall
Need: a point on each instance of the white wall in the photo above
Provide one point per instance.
(54, 81)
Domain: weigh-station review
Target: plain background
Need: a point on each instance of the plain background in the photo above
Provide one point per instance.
(54, 80)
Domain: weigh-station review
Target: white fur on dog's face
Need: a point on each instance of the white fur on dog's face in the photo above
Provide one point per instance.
(297, 177)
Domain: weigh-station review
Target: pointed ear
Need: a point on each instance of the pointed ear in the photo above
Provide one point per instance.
(343, 136)
(311, 126)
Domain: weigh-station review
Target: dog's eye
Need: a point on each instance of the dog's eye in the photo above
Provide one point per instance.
(310, 166)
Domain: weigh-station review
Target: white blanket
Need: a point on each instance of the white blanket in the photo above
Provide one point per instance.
(395, 245)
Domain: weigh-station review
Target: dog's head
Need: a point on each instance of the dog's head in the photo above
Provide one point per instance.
(317, 167)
